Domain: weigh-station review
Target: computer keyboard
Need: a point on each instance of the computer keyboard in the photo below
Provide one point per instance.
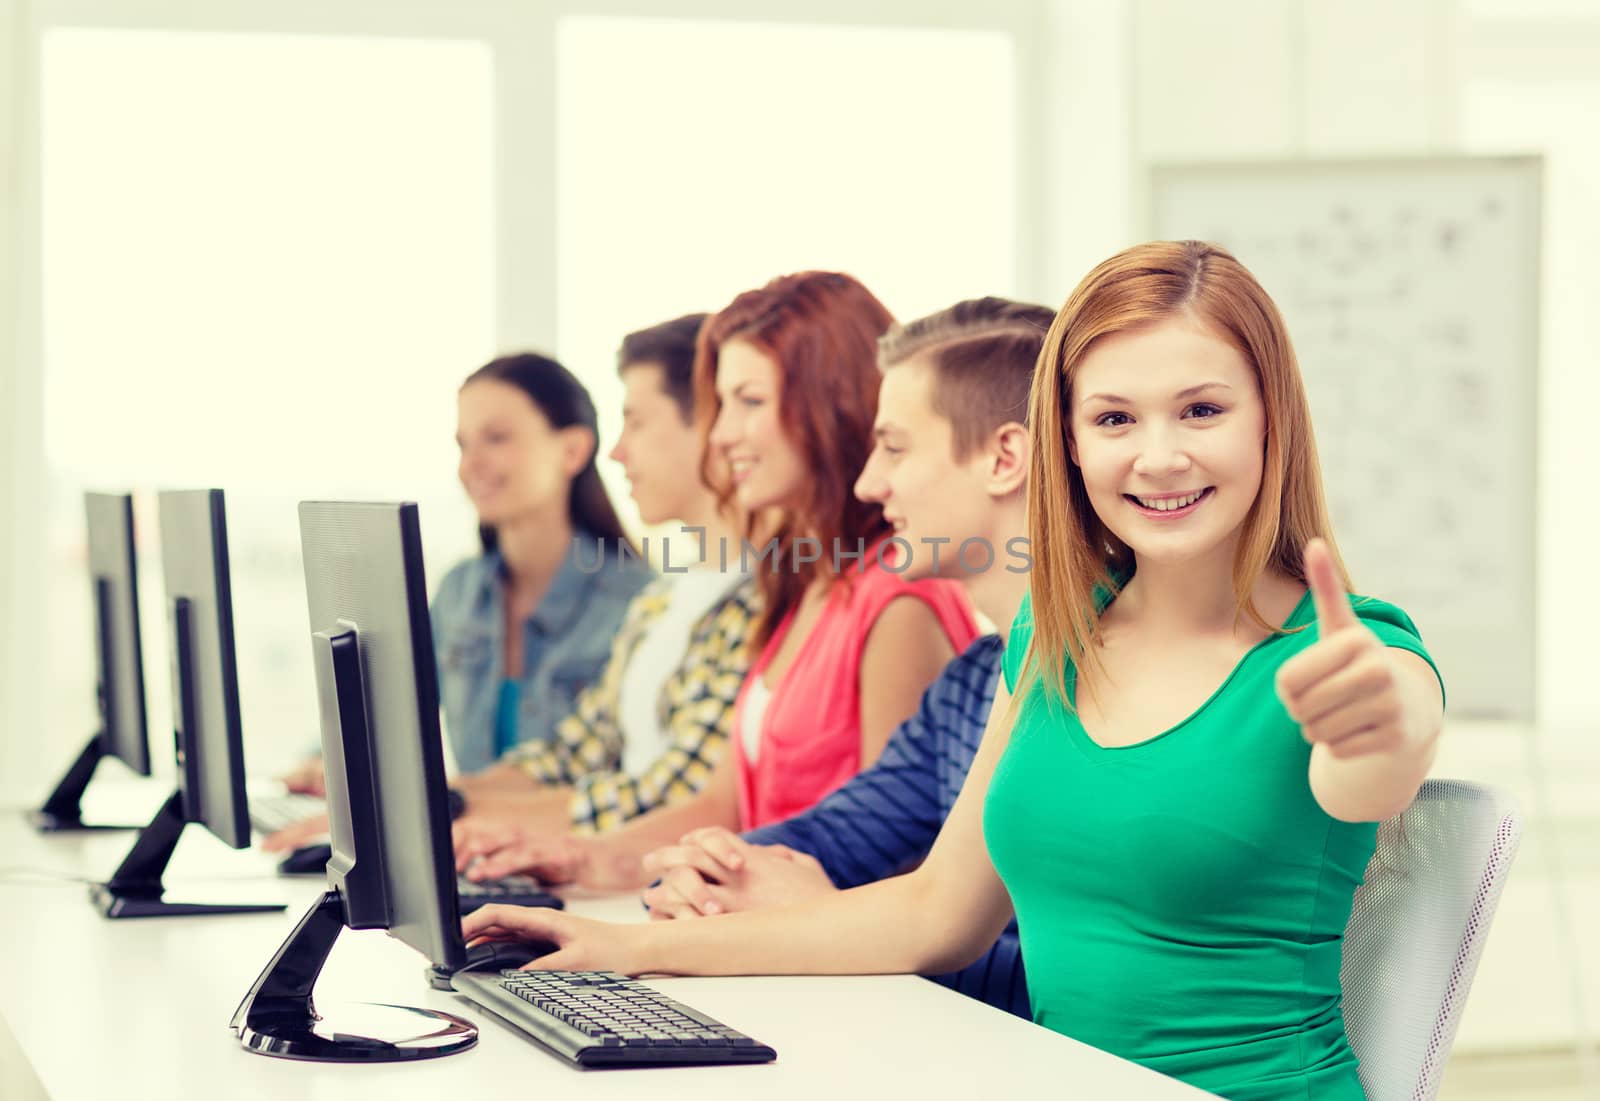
(513, 890)
(271, 813)
(602, 1019)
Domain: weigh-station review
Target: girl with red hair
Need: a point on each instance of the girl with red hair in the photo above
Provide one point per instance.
(786, 380)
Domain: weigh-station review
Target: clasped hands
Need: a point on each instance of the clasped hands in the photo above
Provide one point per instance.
(708, 871)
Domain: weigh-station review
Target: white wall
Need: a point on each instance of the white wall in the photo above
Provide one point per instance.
(10, 278)
(1086, 131)
(1238, 78)
(1380, 76)
(1214, 80)
(21, 440)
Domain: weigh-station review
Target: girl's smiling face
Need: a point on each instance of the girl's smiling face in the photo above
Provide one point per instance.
(513, 462)
(1167, 428)
(766, 468)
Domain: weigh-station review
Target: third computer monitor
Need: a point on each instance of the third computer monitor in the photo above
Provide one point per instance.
(113, 573)
(119, 663)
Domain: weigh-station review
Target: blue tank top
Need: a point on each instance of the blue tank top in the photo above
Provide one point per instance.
(505, 715)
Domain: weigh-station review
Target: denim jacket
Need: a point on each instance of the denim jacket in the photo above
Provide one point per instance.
(565, 643)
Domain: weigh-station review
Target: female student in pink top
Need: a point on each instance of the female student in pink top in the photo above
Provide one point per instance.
(788, 377)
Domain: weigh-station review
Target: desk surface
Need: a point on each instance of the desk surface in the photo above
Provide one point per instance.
(140, 1008)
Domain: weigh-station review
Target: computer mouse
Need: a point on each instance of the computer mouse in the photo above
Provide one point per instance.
(506, 955)
(493, 956)
(307, 860)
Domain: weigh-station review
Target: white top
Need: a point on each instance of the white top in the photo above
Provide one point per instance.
(657, 656)
(756, 697)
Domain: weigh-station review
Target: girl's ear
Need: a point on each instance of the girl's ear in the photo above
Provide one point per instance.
(577, 448)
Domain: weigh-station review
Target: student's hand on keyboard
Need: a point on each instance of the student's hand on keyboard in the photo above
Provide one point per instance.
(306, 778)
(474, 838)
(494, 852)
(715, 871)
(293, 837)
(528, 807)
(582, 944)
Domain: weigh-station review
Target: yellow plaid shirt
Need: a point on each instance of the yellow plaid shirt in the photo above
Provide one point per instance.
(695, 710)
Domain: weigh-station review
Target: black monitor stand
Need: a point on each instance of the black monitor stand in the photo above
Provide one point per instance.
(278, 1017)
(63, 811)
(135, 888)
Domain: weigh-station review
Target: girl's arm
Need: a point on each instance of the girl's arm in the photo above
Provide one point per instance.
(1371, 712)
(1374, 776)
(610, 862)
(905, 651)
(939, 918)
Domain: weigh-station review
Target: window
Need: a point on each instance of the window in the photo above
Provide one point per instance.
(698, 159)
(267, 263)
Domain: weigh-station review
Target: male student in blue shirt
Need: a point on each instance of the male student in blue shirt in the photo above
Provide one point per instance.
(949, 468)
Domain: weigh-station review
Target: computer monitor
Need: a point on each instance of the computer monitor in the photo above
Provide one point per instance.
(205, 711)
(119, 663)
(388, 816)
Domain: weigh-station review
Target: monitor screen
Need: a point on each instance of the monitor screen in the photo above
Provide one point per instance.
(205, 679)
(389, 819)
(113, 575)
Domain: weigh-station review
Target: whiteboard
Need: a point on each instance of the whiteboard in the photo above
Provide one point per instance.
(1411, 292)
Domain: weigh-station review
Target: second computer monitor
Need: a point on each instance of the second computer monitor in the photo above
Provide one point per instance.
(205, 676)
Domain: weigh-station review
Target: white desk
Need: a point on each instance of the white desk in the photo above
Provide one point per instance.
(140, 1009)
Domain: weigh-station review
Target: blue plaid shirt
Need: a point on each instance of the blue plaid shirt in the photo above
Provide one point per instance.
(883, 822)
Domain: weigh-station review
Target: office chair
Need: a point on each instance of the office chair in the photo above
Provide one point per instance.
(1417, 929)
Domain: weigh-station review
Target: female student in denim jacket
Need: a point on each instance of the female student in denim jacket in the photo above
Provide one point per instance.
(1198, 730)
(523, 627)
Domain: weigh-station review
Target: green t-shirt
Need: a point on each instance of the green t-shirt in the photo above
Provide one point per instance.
(1182, 901)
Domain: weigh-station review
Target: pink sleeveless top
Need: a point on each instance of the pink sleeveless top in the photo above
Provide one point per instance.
(810, 735)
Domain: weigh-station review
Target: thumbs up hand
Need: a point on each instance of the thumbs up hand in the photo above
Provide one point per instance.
(1344, 689)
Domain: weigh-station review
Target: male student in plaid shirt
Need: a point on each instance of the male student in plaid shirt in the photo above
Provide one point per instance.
(649, 731)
